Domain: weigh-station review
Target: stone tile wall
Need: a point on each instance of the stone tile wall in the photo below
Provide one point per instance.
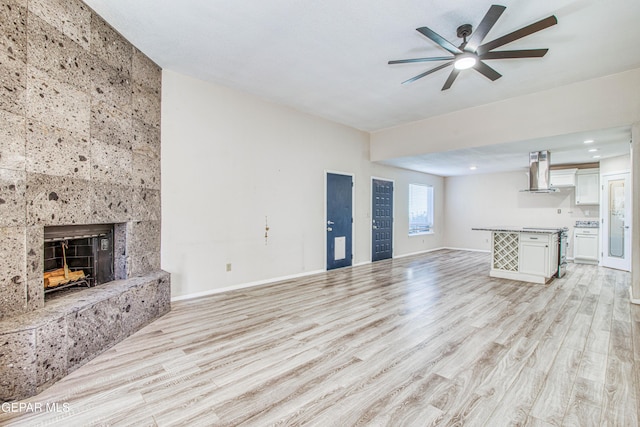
(79, 144)
(79, 139)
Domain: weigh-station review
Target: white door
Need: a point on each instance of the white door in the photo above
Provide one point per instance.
(616, 221)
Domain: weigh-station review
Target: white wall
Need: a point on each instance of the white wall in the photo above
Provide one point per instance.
(496, 200)
(635, 213)
(601, 103)
(231, 161)
(615, 164)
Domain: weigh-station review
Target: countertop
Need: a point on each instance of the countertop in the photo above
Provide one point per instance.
(539, 230)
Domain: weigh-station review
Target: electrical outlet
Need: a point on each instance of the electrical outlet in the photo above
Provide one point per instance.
(229, 267)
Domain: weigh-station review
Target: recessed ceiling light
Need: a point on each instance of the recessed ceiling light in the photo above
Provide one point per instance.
(588, 141)
(473, 168)
(596, 157)
(593, 150)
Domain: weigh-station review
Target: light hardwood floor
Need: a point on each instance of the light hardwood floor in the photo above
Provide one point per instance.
(416, 341)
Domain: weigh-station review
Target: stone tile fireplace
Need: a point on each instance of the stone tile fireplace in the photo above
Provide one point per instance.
(79, 147)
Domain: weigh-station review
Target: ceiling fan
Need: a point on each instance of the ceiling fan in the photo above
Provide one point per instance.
(472, 54)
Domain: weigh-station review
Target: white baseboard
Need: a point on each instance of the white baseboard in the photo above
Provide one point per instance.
(361, 263)
(418, 253)
(243, 286)
(439, 249)
(487, 251)
(295, 276)
(631, 298)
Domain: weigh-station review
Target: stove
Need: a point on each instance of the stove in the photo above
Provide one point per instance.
(587, 224)
(563, 243)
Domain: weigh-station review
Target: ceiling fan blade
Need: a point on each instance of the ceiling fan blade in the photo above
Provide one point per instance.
(481, 31)
(426, 73)
(451, 79)
(435, 58)
(512, 54)
(487, 71)
(518, 34)
(444, 43)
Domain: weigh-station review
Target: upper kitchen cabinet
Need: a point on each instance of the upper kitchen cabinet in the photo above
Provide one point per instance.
(588, 187)
(563, 178)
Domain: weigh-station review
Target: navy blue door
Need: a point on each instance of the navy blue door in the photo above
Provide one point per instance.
(381, 220)
(339, 220)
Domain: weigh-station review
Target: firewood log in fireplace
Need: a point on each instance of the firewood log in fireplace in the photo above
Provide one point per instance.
(57, 277)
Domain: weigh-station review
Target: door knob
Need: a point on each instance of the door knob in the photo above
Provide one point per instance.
(329, 229)
(330, 222)
(375, 227)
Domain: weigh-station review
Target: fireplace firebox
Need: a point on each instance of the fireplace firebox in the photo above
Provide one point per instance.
(78, 255)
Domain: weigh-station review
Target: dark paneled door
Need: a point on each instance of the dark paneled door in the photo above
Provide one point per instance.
(382, 219)
(339, 220)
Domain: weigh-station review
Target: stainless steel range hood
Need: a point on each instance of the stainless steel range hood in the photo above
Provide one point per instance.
(540, 172)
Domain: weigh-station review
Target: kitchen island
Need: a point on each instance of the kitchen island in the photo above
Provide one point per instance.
(526, 254)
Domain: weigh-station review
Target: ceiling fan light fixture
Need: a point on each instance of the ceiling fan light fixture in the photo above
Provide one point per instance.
(473, 52)
(465, 61)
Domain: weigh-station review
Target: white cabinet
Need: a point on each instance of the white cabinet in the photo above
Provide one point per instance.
(538, 254)
(563, 178)
(585, 245)
(534, 258)
(588, 187)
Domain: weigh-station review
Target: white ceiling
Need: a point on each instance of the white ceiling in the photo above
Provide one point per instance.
(329, 58)
(565, 150)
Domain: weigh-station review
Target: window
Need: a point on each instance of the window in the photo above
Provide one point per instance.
(420, 209)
